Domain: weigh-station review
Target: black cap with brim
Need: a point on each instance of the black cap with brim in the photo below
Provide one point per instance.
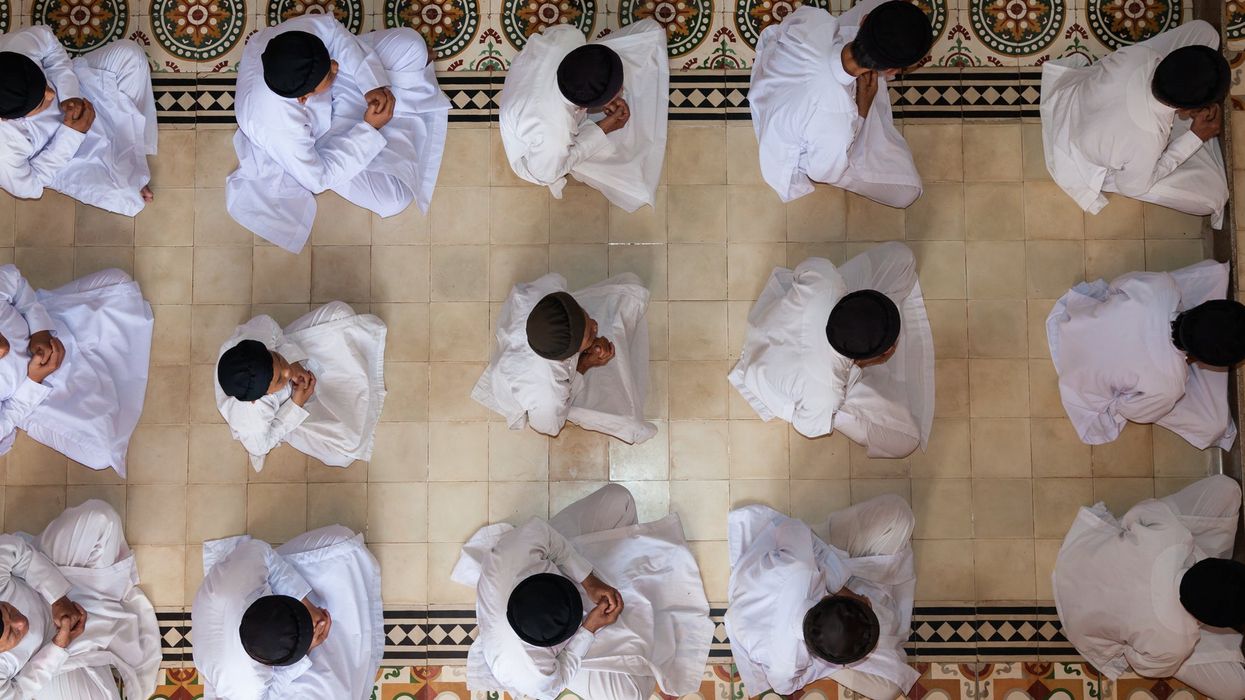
(245, 370)
(22, 85)
(590, 76)
(295, 63)
(863, 325)
(1192, 77)
(555, 327)
(545, 609)
(276, 630)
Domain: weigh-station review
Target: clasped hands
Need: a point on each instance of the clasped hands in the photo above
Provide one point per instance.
(609, 603)
(70, 620)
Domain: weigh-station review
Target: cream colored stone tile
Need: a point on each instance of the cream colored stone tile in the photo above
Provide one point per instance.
(1056, 502)
(1003, 508)
(998, 388)
(460, 273)
(276, 513)
(749, 266)
(30, 508)
(758, 450)
(171, 335)
(579, 455)
(645, 225)
(775, 493)
(999, 448)
(219, 158)
(702, 506)
(45, 268)
(155, 513)
(1175, 457)
(697, 330)
(449, 391)
(1162, 222)
(212, 225)
(755, 215)
(339, 222)
(998, 329)
(165, 401)
(400, 273)
(31, 463)
(581, 216)
(458, 451)
(1032, 153)
(1044, 399)
(1120, 219)
(341, 273)
(408, 392)
(513, 264)
(514, 215)
(951, 380)
(114, 496)
(1054, 267)
(441, 560)
(285, 314)
(459, 331)
(736, 327)
(282, 465)
(95, 258)
(174, 166)
(279, 277)
(47, 221)
(1121, 493)
(864, 466)
(713, 562)
(407, 568)
(647, 461)
(99, 227)
(354, 473)
(517, 455)
(158, 454)
(1045, 554)
(8, 219)
(937, 215)
(818, 216)
(517, 502)
(868, 220)
(1039, 309)
(456, 510)
(407, 335)
(581, 264)
(465, 159)
(939, 507)
(162, 570)
(648, 262)
(813, 500)
(944, 571)
(658, 317)
(1110, 259)
(994, 211)
(743, 161)
(399, 512)
(410, 227)
(941, 268)
(1051, 213)
(948, 453)
(215, 457)
(697, 214)
(1004, 569)
(698, 390)
(215, 511)
(937, 149)
(400, 453)
(500, 173)
(996, 270)
(992, 152)
(1167, 255)
(1057, 450)
(696, 155)
(948, 319)
(699, 450)
(702, 271)
(211, 326)
(202, 396)
(1131, 454)
(866, 489)
(563, 493)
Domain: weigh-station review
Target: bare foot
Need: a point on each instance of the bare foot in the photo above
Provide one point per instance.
(147, 194)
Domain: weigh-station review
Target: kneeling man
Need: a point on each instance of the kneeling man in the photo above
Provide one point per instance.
(820, 105)
(581, 357)
(317, 384)
(301, 621)
(1149, 347)
(846, 349)
(595, 111)
(71, 612)
(534, 583)
(1155, 592)
(1143, 122)
(836, 603)
(321, 109)
(83, 127)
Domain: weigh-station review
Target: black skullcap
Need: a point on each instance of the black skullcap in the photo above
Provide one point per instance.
(591, 75)
(895, 34)
(22, 84)
(245, 370)
(1213, 591)
(295, 63)
(545, 609)
(555, 328)
(1192, 77)
(1212, 332)
(863, 324)
(276, 630)
(841, 630)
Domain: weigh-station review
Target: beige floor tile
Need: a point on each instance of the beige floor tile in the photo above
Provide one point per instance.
(400, 273)
(1056, 502)
(944, 570)
(1162, 222)
(515, 215)
(95, 227)
(214, 511)
(517, 502)
(406, 568)
(657, 404)
(996, 270)
(401, 453)
(174, 166)
(1051, 213)
(1032, 155)
(864, 466)
(219, 158)
(826, 457)
(47, 221)
(948, 453)
(1044, 399)
(279, 277)
(517, 455)
(713, 561)
(1054, 267)
(165, 274)
(998, 447)
(941, 268)
(865, 489)
(775, 493)
(645, 225)
(579, 455)
(581, 264)
(758, 450)
(341, 273)
(698, 390)
(460, 215)
(500, 173)
(1039, 310)
(441, 560)
(1110, 259)
(402, 512)
(997, 329)
(652, 499)
(1131, 454)
(1120, 219)
(95, 258)
(449, 391)
(211, 326)
(754, 215)
(162, 570)
(354, 473)
(1004, 569)
(951, 380)
(648, 262)
(212, 225)
(998, 388)
(30, 508)
(411, 227)
(994, 211)
(703, 271)
(697, 155)
(8, 219)
(114, 496)
(937, 150)
(1057, 450)
(465, 160)
(338, 222)
(408, 395)
(33, 464)
(1166, 255)
(460, 273)
(868, 220)
(1120, 494)
(749, 266)
(743, 162)
(1175, 457)
(1045, 554)
(458, 451)
(813, 500)
(215, 457)
(992, 152)
(165, 401)
(697, 330)
(45, 268)
(648, 461)
(158, 454)
(407, 337)
(939, 213)
(940, 508)
(276, 513)
(819, 216)
(696, 214)
(581, 216)
(702, 506)
(283, 464)
(459, 331)
(658, 317)
(156, 514)
(202, 407)
(1002, 508)
(564, 493)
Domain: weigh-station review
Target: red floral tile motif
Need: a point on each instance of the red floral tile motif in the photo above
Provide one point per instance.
(178, 684)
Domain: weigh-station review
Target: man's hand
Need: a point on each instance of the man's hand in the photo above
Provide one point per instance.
(70, 620)
(42, 364)
(597, 355)
(602, 593)
(380, 104)
(73, 107)
(1208, 122)
(866, 90)
(80, 117)
(304, 387)
(600, 617)
(616, 115)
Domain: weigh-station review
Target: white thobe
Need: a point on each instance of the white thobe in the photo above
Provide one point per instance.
(662, 637)
(346, 353)
(788, 369)
(288, 152)
(1117, 588)
(546, 137)
(81, 554)
(332, 568)
(88, 408)
(1104, 131)
(804, 113)
(527, 389)
(780, 569)
(1112, 347)
(105, 167)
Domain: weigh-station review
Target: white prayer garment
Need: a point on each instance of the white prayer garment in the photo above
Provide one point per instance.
(88, 408)
(81, 554)
(780, 569)
(806, 120)
(661, 639)
(107, 166)
(1112, 347)
(1104, 131)
(1117, 588)
(527, 389)
(329, 566)
(546, 137)
(788, 369)
(346, 353)
(288, 152)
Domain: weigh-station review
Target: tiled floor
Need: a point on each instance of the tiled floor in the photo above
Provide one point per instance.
(996, 243)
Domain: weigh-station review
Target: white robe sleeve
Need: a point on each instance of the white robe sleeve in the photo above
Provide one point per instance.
(546, 164)
(550, 418)
(17, 407)
(828, 139)
(283, 578)
(19, 559)
(26, 177)
(255, 424)
(329, 162)
(15, 290)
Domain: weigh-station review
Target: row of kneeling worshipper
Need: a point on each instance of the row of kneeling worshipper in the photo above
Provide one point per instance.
(595, 602)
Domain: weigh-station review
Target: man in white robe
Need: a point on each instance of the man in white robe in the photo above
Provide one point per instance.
(73, 364)
(1149, 347)
(1155, 593)
(302, 621)
(846, 349)
(581, 357)
(83, 127)
(534, 584)
(317, 384)
(819, 101)
(595, 111)
(1143, 121)
(788, 583)
(326, 110)
(72, 612)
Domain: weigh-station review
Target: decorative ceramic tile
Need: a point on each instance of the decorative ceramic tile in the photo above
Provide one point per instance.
(449, 26)
(1017, 28)
(1130, 686)
(84, 25)
(203, 31)
(6, 16)
(1117, 23)
(351, 13)
(688, 23)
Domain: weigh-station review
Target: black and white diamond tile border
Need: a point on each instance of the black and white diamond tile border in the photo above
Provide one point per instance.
(979, 93)
(950, 634)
